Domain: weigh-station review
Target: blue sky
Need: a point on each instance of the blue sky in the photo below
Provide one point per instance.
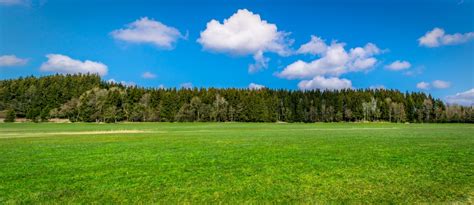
(174, 43)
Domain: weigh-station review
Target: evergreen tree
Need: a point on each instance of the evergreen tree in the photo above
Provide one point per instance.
(11, 116)
(86, 98)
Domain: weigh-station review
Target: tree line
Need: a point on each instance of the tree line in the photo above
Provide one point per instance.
(87, 98)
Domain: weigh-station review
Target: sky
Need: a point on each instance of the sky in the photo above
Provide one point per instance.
(425, 46)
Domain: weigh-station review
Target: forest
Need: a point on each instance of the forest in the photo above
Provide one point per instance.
(88, 98)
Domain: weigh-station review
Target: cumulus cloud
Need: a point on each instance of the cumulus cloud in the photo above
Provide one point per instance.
(398, 65)
(437, 37)
(423, 85)
(245, 33)
(148, 75)
(441, 84)
(186, 85)
(254, 86)
(320, 82)
(63, 64)
(149, 31)
(463, 98)
(333, 61)
(315, 46)
(12, 60)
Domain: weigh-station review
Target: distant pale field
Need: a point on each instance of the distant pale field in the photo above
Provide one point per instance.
(236, 162)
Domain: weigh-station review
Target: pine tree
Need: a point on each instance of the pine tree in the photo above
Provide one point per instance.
(84, 97)
(11, 116)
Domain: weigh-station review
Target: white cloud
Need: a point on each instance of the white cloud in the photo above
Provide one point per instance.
(361, 58)
(438, 37)
(441, 84)
(261, 62)
(464, 98)
(125, 83)
(431, 38)
(320, 82)
(147, 30)
(254, 86)
(398, 65)
(377, 87)
(423, 85)
(64, 64)
(186, 85)
(334, 61)
(245, 33)
(242, 34)
(12, 60)
(148, 75)
(363, 63)
(314, 47)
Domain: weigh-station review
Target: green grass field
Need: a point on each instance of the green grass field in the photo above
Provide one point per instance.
(236, 162)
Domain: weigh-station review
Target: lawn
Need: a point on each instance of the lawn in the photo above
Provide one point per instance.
(236, 162)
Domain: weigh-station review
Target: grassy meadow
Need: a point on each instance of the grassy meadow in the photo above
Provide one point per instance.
(236, 162)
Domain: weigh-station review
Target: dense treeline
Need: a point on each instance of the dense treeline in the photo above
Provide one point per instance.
(88, 98)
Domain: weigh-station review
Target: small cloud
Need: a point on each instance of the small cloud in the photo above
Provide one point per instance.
(464, 98)
(64, 64)
(438, 84)
(254, 86)
(437, 37)
(398, 65)
(373, 87)
(186, 85)
(320, 82)
(423, 85)
(148, 75)
(11, 61)
(441, 84)
(124, 83)
(149, 31)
